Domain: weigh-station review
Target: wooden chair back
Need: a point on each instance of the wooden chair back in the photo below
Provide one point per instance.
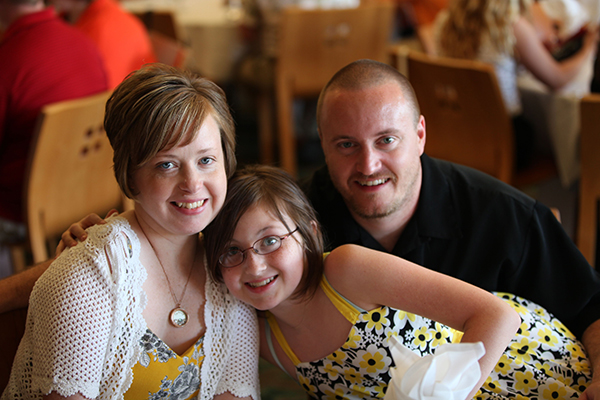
(465, 116)
(13, 328)
(312, 46)
(589, 182)
(70, 170)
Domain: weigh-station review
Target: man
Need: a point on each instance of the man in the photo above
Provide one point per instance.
(120, 36)
(42, 61)
(381, 191)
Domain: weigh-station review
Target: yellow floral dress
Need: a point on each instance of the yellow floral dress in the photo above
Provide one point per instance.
(160, 373)
(543, 361)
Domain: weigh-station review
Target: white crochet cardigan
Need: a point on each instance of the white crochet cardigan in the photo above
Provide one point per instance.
(85, 322)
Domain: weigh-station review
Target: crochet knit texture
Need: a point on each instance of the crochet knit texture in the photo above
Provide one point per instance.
(85, 323)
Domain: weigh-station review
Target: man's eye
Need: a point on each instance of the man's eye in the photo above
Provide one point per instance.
(388, 140)
(345, 145)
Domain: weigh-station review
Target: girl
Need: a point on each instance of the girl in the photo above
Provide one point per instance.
(327, 320)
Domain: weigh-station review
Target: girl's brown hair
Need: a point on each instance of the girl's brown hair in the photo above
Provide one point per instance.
(278, 192)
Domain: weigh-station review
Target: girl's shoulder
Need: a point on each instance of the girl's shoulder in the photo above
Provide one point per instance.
(343, 262)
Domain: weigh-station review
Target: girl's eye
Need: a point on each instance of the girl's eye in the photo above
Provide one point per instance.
(232, 251)
(206, 161)
(270, 241)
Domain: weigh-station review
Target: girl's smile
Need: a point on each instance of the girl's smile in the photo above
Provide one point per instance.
(264, 280)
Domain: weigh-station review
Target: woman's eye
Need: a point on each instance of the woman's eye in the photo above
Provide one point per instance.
(206, 161)
(166, 165)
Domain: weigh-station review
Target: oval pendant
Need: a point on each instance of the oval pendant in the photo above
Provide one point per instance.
(178, 317)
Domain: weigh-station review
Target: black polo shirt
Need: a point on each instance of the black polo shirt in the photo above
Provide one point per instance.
(480, 230)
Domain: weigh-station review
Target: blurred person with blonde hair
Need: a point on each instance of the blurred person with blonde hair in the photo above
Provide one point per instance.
(504, 34)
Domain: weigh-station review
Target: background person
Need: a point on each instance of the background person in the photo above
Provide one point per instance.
(120, 36)
(499, 32)
(42, 61)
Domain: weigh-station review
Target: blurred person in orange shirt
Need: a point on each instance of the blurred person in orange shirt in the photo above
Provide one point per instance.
(121, 37)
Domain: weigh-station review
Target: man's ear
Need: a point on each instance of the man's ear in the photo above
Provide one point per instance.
(421, 133)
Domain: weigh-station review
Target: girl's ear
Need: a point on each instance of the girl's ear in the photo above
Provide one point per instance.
(315, 227)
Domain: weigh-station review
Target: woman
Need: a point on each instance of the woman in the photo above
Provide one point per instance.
(501, 33)
(130, 313)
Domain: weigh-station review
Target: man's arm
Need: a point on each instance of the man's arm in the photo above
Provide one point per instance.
(15, 289)
(591, 342)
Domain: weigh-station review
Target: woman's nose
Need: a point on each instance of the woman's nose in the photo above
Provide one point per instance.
(191, 180)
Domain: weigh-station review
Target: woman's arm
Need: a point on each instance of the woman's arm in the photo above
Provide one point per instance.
(370, 279)
(537, 59)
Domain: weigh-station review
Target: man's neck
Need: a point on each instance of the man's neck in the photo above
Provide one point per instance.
(387, 230)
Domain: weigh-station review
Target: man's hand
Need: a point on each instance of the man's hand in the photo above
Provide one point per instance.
(76, 232)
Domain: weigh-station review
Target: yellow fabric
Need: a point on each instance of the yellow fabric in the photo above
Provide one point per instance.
(344, 307)
(281, 339)
(166, 371)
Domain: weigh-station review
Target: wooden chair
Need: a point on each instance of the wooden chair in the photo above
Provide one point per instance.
(70, 171)
(466, 119)
(13, 328)
(589, 182)
(312, 46)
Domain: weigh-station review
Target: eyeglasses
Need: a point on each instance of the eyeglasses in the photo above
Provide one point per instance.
(234, 256)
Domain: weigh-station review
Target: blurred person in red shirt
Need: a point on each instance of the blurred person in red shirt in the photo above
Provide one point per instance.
(42, 61)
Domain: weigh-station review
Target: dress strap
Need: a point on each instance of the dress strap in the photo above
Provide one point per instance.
(274, 326)
(349, 310)
(271, 347)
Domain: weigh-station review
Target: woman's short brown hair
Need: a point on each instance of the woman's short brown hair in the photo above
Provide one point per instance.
(280, 194)
(158, 107)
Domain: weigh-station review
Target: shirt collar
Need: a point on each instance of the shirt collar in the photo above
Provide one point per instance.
(437, 213)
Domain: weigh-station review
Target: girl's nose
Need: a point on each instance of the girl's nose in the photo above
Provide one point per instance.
(255, 263)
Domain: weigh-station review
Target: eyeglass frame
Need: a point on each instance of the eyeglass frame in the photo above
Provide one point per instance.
(243, 252)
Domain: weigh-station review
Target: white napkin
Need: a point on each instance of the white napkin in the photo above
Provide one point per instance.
(449, 374)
